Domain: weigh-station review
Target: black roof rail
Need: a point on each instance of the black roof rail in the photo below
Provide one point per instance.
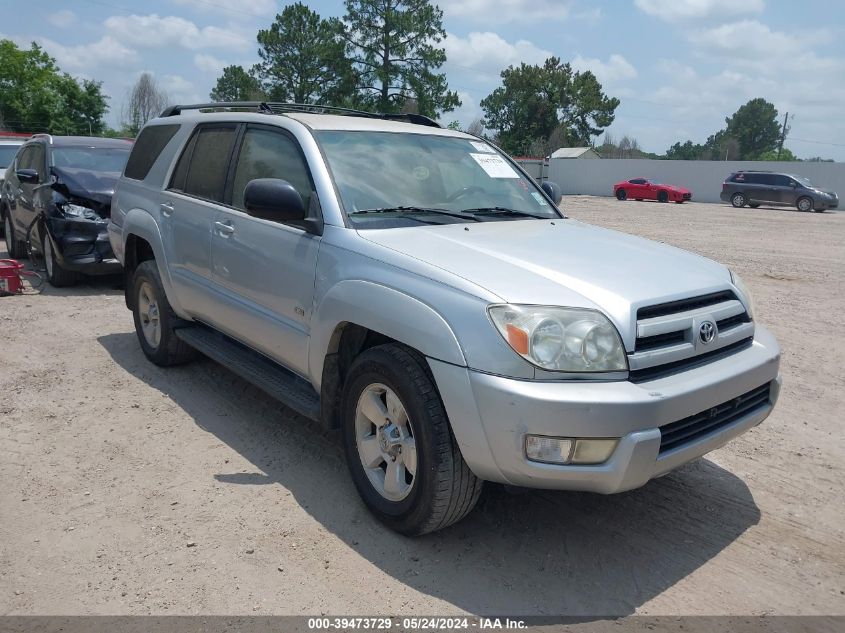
(276, 107)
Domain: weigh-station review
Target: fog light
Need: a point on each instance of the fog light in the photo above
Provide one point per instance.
(552, 450)
(593, 451)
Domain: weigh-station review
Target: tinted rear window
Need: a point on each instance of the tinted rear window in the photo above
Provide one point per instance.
(147, 148)
(204, 163)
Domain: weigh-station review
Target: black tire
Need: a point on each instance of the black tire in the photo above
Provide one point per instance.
(170, 349)
(621, 194)
(2, 220)
(662, 196)
(444, 489)
(57, 276)
(804, 204)
(753, 205)
(739, 200)
(15, 247)
(638, 199)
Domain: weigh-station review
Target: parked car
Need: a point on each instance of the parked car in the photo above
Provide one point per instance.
(647, 189)
(766, 187)
(412, 286)
(58, 197)
(8, 148)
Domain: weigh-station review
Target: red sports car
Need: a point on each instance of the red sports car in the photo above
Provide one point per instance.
(645, 189)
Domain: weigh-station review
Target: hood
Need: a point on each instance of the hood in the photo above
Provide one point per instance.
(675, 188)
(565, 263)
(96, 186)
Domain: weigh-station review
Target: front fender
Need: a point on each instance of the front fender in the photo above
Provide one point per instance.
(141, 224)
(384, 310)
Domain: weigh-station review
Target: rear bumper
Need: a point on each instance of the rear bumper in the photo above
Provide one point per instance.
(491, 429)
(82, 246)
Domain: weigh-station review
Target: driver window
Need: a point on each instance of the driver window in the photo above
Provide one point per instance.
(270, 154)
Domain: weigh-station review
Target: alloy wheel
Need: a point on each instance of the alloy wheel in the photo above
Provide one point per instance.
(385, 440)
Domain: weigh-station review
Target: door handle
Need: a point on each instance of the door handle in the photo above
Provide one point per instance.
(224, 229)
(166, 209)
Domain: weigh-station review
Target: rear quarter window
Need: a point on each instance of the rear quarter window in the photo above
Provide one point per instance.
(147, 148)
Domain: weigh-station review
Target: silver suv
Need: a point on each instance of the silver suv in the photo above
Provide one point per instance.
(412, 286)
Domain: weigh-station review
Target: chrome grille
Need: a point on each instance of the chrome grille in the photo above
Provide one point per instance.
(668, 334)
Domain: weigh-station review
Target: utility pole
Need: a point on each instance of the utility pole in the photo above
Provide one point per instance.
(783, 134)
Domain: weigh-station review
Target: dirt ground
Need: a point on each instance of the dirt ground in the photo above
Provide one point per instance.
(129, 489)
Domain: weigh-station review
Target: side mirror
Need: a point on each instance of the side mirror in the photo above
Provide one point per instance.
(273, 199)
(552, 189)
(29, 176)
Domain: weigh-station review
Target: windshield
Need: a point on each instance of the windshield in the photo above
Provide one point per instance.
(804, 181)
(387, 179)
(7, 154)
(91, 158)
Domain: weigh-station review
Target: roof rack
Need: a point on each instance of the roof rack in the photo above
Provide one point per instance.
(275, 107)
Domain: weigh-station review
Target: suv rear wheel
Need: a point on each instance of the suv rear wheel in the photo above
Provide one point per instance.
(399, 447)
(804, 204)
(155, 319)
(15, 247)
(739, 200)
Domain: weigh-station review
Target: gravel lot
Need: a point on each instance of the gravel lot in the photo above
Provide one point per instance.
(128, 489)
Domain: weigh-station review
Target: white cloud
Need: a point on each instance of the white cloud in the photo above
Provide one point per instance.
(488, 53)
(208, 63)
(105, 52)
(62, 19)
(153, 31)
(181, 90)
(614, 70)
(680, 10)
(508, 10)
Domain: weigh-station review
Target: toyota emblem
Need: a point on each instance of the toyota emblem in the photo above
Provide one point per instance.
(707, 332)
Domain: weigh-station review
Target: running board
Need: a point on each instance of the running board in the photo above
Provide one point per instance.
(275, 380)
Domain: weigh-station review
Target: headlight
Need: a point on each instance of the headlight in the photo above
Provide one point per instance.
(561, 339)
(78, 211)
(743, 290)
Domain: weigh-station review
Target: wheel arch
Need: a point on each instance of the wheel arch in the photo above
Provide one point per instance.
(357, 315)
(142, 241)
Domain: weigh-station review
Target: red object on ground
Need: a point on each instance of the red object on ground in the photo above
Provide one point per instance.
(10, 276)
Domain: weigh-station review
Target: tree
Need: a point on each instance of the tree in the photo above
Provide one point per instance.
(755, 128)
(35, 96)
(535, 100)
(236, 84)
(144, 101)
(785, 155)
(394, 46)
(303, 59)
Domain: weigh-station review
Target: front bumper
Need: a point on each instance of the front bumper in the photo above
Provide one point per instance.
(83, 246)
(491, 429)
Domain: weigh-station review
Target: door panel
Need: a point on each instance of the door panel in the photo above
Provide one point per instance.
(187, 211)
(265, 270)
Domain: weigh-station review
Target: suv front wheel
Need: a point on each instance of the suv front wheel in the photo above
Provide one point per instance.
(399, 447)
(805, 204)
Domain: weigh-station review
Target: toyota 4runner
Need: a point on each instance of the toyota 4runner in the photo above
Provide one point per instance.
(413, 287)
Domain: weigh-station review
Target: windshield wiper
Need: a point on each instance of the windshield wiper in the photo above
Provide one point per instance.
(505, 211)
(436, 211)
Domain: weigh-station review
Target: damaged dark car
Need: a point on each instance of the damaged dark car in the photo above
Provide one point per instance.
(58, 194)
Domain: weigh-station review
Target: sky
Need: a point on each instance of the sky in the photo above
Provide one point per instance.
(679, 67)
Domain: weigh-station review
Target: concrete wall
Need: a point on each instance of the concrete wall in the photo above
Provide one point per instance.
(703, 178)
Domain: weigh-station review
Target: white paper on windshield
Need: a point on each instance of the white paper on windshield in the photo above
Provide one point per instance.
(482, 147)
(495, 166)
